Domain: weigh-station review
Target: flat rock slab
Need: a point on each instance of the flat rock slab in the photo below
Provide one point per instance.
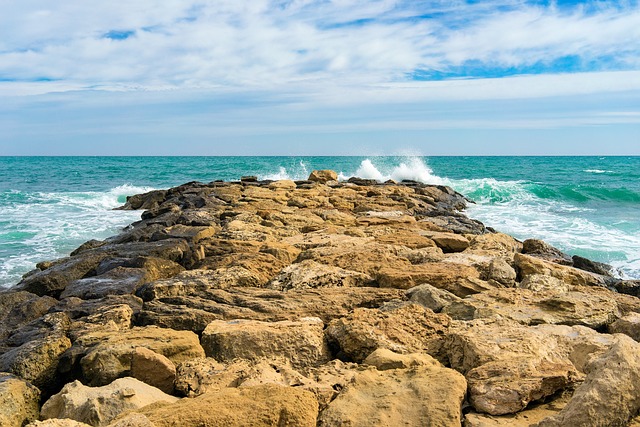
(302, 342)
(259, 406)
(427, 395)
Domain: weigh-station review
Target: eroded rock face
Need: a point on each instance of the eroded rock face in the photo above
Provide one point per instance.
(302, 342)
(19, 401)
(416, 396)
(246, 264)
(265, 405)
(98, 406)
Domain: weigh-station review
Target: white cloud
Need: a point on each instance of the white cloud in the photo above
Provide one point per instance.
(268, 43)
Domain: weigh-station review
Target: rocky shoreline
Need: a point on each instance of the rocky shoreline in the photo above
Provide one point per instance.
(317, 302)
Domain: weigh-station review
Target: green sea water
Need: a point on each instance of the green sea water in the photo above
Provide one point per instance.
(588, 206)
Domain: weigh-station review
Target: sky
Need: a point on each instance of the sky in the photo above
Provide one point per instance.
(319, 77)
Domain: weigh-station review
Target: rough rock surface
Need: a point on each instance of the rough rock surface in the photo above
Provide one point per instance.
(98, 406)
(394, 273)
(18, 401)
(265, 405)
(417, 396)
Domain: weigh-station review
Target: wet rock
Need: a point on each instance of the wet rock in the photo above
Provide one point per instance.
(545, 251)
(301, 342)
(20, 308)
(98, 406)
(145, 201)
(592, 266)
(18, 401)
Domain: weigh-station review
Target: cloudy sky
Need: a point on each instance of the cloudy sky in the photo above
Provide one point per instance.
(318, 77)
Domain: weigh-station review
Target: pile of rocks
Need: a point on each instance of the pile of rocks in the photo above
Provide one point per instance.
(318, 302)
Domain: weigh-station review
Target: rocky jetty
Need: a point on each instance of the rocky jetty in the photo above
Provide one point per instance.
(317, 303)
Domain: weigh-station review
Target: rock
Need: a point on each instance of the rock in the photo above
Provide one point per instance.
(192, 234)
(449, 242)
(153, 369)
(323, 176)
(502, 272)
(58, 422)
(202, 375)
(302, 342)
(20, 308)
(545, 251)
(281, 251)
(508, 366)
(145, 201)
(38, 347)
(132, 420)
(532, 308)
(591, 266)
(418, 396)
(98, 406)
(496, 243)
(628, 325)
(431, 297)
(283, 184)
(384, 359)
(529, 265)
(265, 405)
(540, 282)
(525, 418)
(310, 274)
(628, 287)
(118, 281)
(460, 280)
(410, 328)
(105, 356)
(19, 401)
(610, 395)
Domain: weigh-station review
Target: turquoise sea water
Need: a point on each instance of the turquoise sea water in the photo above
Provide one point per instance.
(588, 206)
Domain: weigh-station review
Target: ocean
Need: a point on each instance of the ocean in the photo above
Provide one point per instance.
(588, 206)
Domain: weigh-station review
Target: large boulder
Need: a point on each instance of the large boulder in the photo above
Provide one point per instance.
(259, 406)
(405, 329)
(311, 274)
(323, 176)
(610, 395)
(418, 396)
(103, 356)
(19, 401)
(98, 406)
(302, 342)
(529, 265)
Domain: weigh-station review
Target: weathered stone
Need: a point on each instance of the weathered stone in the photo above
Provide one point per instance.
(153, 369)
(105, 356)
(592, 266)
(418, 396)
(189, 233)
(20, 308)
(384, 359)
(301, 342)
(323, 176)
(98, 406)
(118, 281)
(281, 251)
(545, 251)
(529, 265)
(259, 406)
(283, 184)
(60, 422)
(610, 395)
(18, 401)
(149, 200)
(449, 242)
(431, 297)
(532, 308)
(508, 365)
(628, 325)
(540, 282)
(502, 272)
(310, 274)
(460, 280)
(410, 328)
(496, 243)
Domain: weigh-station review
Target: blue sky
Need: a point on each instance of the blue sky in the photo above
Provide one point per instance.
(319, 77)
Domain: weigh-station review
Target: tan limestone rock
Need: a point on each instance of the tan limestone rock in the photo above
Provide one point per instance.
(628, 325)
(310, 274)
(153, 369)
(302, 342)
(323, 176)
(259, 406)
(419, 396)
(98, 406)
(610, 394)
(106, 356)
(449, 242)
(19, 401)
(431, 297)
(58, 422)
(281, 251)
(384, 359)
(283, 184)
(407, 329)
(529, 265)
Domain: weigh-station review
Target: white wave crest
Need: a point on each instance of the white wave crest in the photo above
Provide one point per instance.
(281, 174)
(596, 171)
(414, 168)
